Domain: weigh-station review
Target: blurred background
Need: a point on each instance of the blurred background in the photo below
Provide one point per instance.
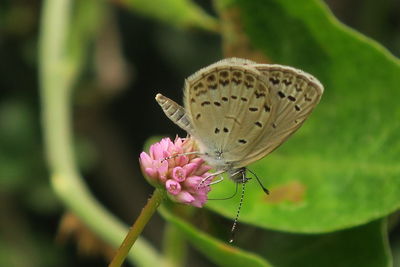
(133, 58)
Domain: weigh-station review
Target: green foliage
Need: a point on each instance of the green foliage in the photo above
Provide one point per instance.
(216, 250)
(343, 163)
(179, 13)
(332, 184)
(341, 169)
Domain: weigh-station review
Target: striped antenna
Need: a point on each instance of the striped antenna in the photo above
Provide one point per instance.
(233, 230)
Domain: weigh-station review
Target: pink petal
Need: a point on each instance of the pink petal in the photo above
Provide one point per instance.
(156, 151)
(198, 161)
(193, 181)
(184, 197)
(190, 167)
(202, 169)
(179, 174)
(145, 160)
(173, 187)
(199, 201)
(182, 160)
(178, 141)
(163, 170)
(151, 172)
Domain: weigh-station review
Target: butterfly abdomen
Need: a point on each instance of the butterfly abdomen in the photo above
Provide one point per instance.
(174, 112)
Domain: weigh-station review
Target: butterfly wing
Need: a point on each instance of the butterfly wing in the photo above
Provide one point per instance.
(176, 112)
(240, 111)
(228, 104)
(294, 94)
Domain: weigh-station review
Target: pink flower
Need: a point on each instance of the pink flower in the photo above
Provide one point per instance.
(181, 175)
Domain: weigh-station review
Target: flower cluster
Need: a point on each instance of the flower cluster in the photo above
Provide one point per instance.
(169, 165)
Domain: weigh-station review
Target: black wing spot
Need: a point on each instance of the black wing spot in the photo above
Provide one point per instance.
(281, 94)
(223, 83)
(226, 130)
(236, 81)
(267, 108)
(192, 100)
(224, 74)
(306, 98)
(274, 125)
(253, 109)
(198, 116)
(287, 82)
(224, 99)
(250, 78)
(242, 141)
(244, 99)
(298, 88)
(201, 92)
(258, 95)
(198, 86)
(205, 103)
(259, 124)
(237, 74)
(248, 85)
(211, 78)
(217, 103)
(297, 108)
(213, 87)
(234, 97)
(291, 98)
(274, 80)
(216, 130)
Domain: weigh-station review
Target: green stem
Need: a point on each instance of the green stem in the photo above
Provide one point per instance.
(147, 212)
(57, 78)
(174, 247)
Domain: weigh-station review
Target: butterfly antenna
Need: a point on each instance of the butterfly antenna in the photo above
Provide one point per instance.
(181, 154)
(259, 182)
(238, 211)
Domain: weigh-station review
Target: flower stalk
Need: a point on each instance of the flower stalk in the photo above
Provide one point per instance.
(147, 212)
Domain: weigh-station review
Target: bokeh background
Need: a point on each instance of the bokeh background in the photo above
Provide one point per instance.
(133, 58)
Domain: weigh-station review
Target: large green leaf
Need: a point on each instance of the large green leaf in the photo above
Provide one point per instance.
(341, 168)
(365, 245)
(216, 250)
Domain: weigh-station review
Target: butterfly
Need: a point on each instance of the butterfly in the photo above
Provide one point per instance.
(239, 111)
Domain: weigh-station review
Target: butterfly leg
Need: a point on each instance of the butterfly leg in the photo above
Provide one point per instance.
(217, 181)
(209, 177)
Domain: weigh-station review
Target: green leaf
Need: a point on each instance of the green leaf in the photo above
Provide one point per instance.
(221, 253)
(341, 169)
(179, 13)
(365, 245)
